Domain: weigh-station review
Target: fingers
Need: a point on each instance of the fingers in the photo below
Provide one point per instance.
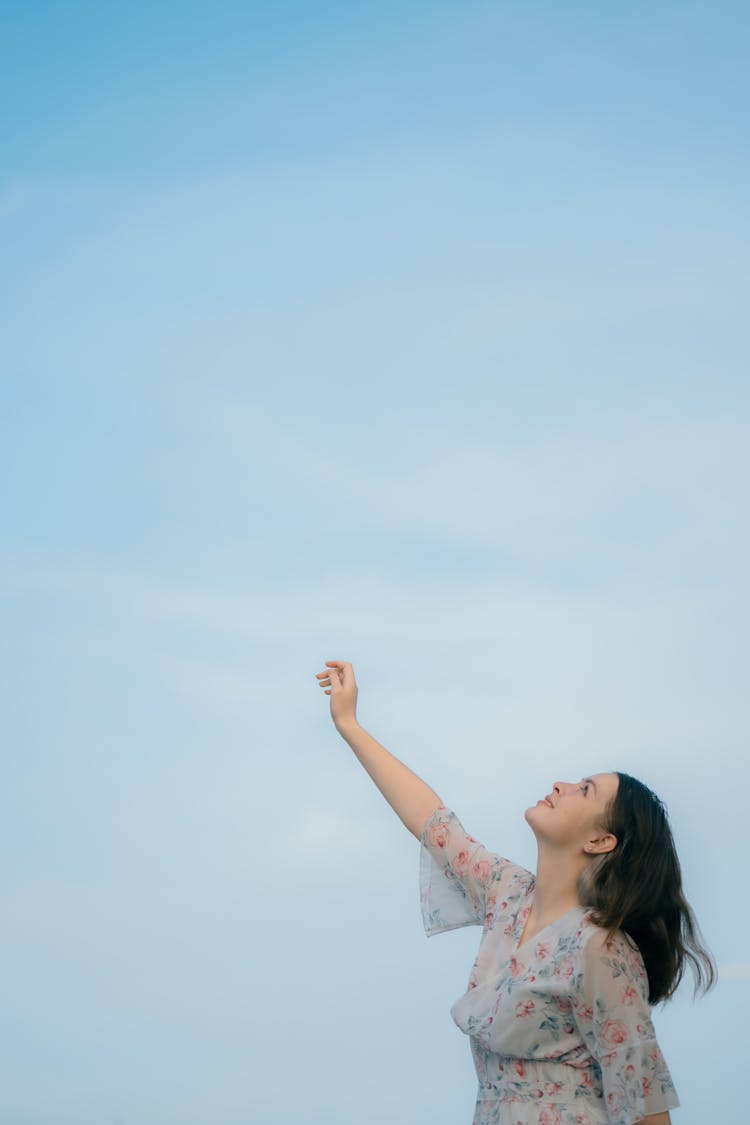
(329, 679)
(339, 666)
(338, 672)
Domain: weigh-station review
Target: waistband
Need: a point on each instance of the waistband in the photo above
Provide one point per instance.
(536, 1080)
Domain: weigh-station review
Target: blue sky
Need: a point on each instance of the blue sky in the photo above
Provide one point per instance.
(411, 335)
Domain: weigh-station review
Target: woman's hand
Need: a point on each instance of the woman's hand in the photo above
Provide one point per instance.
(340, 684)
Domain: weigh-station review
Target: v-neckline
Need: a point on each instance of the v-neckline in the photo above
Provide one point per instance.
(519, 945)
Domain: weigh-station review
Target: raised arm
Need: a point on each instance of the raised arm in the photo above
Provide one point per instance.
(410, 798)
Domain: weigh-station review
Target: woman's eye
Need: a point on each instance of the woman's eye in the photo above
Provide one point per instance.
(585, 790)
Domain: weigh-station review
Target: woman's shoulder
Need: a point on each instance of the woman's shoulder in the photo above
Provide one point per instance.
(616, 949)
(443, 831)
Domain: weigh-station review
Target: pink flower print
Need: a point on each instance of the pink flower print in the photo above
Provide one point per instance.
(514, 968)
(614, 1101)
(548, 1115)
(614, 1032)
(482, 871)
(646, 1086)
(585, 1011)
(565, 968)
(542, 951)
(628, 995)
(524, 1008)
(439, 835)
(489, 919)
(587, 1080)
(461, 861)
(520, 1067)
(552, 1088)
(655, 1055)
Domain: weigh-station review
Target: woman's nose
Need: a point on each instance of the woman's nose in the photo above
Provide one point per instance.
(561, 788)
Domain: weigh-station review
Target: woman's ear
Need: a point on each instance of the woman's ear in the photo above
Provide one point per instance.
(599, 845)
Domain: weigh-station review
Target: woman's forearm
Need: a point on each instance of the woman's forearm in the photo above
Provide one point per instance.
(410, 798)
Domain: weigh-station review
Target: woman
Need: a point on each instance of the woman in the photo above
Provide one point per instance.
(557, 1005)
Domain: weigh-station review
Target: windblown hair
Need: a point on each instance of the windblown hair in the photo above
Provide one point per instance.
(637, 888)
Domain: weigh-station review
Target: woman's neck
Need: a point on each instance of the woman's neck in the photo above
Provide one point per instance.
(556, 885)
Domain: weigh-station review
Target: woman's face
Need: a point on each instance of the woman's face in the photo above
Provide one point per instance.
(572, 814)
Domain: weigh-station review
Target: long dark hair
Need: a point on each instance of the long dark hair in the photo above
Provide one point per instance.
(637, 888)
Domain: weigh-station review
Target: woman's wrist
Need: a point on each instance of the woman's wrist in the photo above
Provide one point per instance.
(346, 727)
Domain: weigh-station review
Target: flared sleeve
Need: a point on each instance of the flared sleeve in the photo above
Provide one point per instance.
(610, 1007)
(458, 876)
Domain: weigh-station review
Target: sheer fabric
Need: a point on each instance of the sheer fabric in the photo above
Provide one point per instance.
(559, 1028)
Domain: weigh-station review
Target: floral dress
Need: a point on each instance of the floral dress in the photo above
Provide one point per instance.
(559, 1027)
